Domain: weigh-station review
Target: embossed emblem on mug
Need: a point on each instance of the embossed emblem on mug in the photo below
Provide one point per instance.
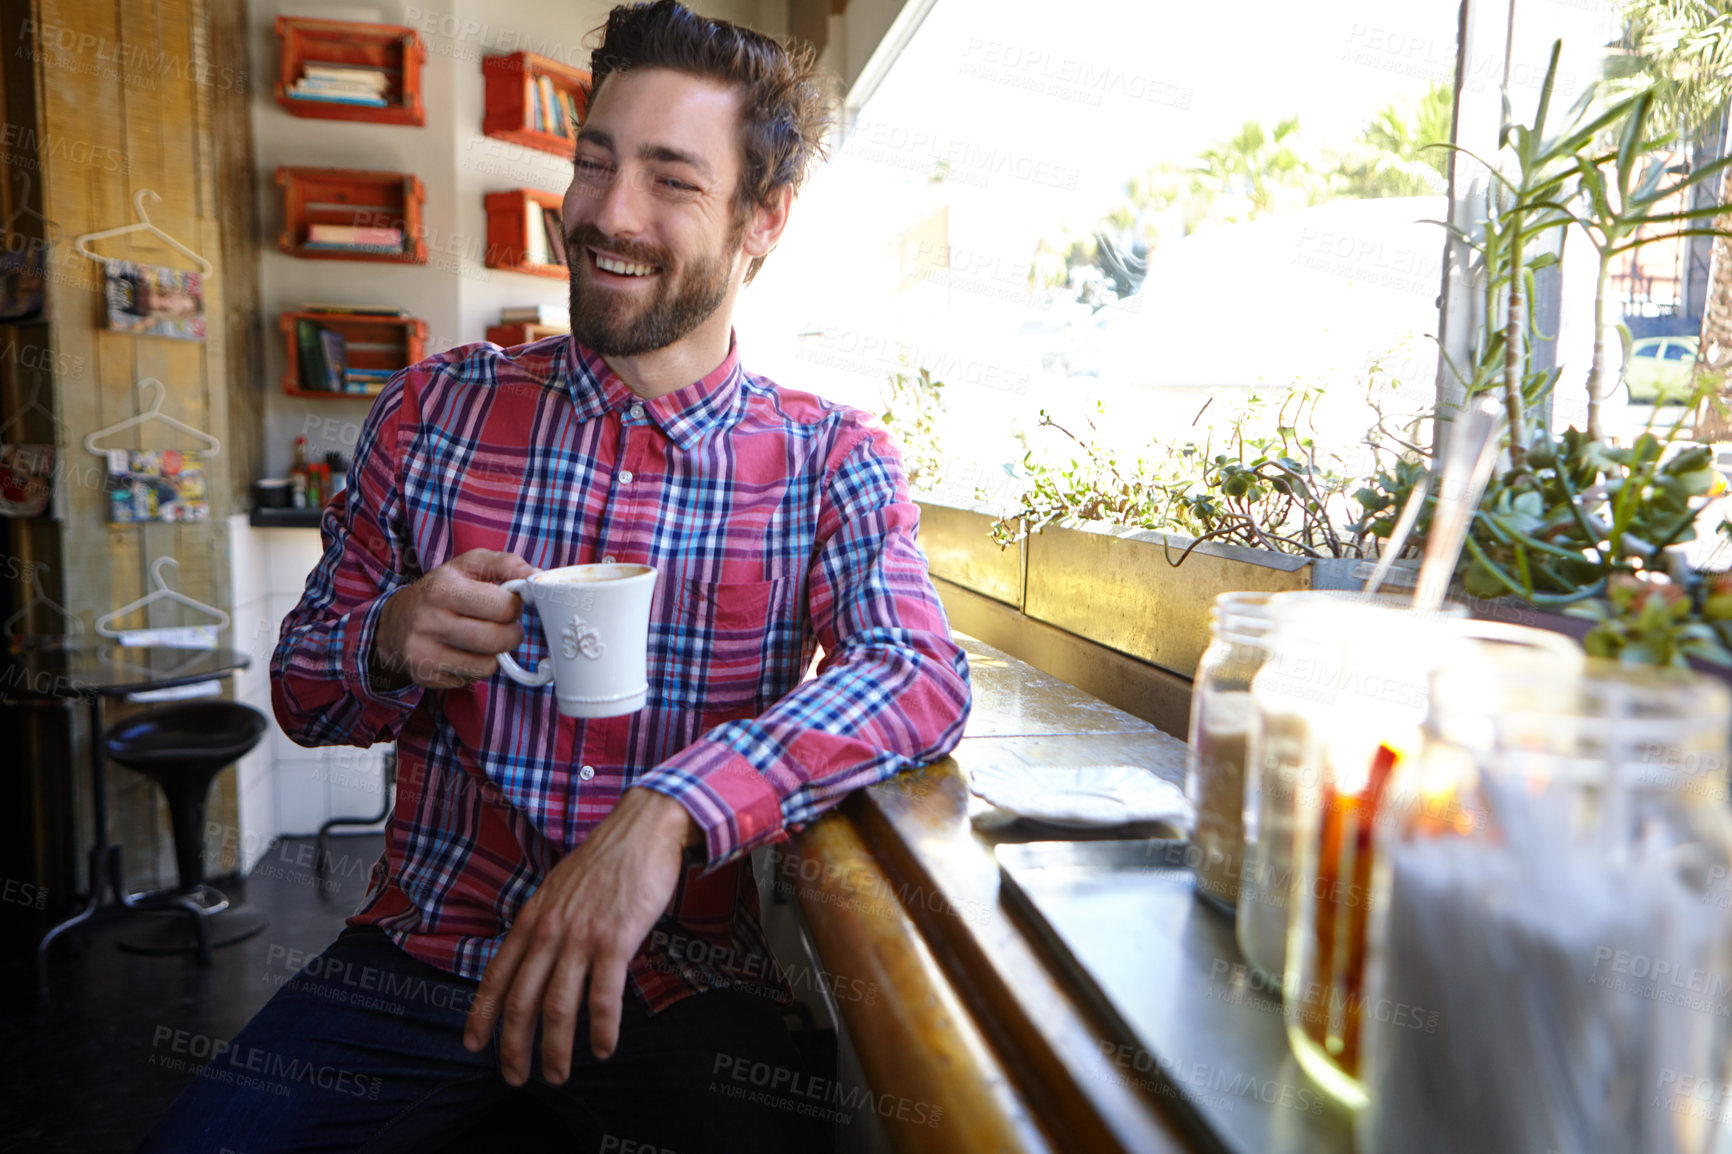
(581, 637)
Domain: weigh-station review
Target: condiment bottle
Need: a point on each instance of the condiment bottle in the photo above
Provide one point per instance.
(1220, 724)
(1295, 698)
(298, 472)
(1370, 735)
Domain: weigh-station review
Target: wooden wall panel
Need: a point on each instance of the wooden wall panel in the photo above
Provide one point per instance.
(128, 104)
(37, 836)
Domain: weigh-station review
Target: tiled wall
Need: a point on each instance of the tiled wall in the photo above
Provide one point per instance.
(285, 789)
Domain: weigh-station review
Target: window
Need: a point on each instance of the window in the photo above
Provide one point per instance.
(1143, 209)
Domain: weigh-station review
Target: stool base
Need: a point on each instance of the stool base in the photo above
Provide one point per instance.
(172, 932)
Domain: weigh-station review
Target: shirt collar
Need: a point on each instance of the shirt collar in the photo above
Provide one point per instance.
(685, 415)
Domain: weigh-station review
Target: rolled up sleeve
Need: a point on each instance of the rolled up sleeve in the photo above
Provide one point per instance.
(322, 688)
(892, 691)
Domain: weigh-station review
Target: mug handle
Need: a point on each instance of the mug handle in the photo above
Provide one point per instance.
(544, 671)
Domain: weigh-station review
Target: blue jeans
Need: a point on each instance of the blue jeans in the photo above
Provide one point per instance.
(363, 1051)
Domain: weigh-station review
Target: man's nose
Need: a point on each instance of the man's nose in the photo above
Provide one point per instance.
(617, 207)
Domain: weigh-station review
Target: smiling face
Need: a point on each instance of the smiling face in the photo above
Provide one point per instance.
(652, 233)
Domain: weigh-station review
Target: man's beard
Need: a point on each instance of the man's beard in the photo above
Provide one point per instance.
(679, 302)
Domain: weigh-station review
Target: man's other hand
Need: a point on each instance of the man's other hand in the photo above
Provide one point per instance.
(446, 630)
(586, 921)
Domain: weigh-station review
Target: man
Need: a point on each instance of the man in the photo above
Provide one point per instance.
(533, 922)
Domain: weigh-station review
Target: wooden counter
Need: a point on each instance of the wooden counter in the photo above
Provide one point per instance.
(899, 886)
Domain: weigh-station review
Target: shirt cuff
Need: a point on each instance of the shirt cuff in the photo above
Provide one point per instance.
(358, 629)
(731, 802)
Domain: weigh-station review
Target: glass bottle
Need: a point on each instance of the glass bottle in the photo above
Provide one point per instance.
(1293, 703)
(1371, 731)
(1220, 729)
(1565, 932)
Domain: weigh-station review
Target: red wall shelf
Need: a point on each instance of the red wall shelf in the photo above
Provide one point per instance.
(505, 336)
(394, 50)
(510, 104)
(510, 216)
(374, 341)
(344, 196)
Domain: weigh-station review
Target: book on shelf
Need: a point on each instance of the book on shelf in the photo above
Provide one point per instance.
(367, 382)
(353, 237)
(547, 315)
(335, 359)
(568, 111)
(346, 74)
(329, 246)
(555, 234)
(326, 97)
(537, 251)
(356, 310)
(550, 107)
(310, 368)
(347, 87)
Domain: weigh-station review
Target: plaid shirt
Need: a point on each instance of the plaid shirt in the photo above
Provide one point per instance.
(777, 522)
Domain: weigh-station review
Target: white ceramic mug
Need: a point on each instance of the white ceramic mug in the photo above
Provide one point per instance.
(596, 621)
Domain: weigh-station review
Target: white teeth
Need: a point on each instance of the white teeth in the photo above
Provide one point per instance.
(623, 268)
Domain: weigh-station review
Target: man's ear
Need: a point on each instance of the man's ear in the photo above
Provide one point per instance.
(764, 226)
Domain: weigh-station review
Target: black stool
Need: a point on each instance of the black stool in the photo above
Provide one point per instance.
(182, 748)
(322, 844)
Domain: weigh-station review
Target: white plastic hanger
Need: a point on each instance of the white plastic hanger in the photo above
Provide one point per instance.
(104, 624)
(39, 597)
(50, 230)
(154, 413)
(35, 402)
(142, 225)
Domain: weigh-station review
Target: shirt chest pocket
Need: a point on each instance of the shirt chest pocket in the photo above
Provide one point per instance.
(729, 641)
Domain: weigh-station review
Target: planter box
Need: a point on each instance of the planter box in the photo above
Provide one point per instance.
(1118, 588)
(959, 549)
(1110, 585)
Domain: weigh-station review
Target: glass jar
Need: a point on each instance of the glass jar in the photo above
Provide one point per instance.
(1292, 700)
(1556, 956)
(1374, 730)
(1220, 726)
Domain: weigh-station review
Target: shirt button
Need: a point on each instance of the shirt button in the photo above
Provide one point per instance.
(586, 772)
(637, 412)
(625, 476)
(610, 559)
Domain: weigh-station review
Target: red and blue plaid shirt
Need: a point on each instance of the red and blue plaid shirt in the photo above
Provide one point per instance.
(778, 522)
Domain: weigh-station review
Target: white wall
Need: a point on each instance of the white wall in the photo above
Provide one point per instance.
(284, 789)
(454, 292)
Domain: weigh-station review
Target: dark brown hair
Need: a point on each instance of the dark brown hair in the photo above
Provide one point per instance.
(782, 107)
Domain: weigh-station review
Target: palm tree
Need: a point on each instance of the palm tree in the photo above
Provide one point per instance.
(1397, 154)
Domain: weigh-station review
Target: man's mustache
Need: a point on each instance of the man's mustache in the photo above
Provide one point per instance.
(588, 236)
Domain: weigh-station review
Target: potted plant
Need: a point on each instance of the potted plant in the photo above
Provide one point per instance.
(1571, 518)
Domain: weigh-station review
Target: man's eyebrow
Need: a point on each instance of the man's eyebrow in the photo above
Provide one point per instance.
(665, 153)
(670, 155)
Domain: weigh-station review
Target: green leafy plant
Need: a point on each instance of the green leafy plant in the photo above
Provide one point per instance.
(1651, 623)
(1592, 174)
(1571, 520)
(1267, 487)
(913, 410)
